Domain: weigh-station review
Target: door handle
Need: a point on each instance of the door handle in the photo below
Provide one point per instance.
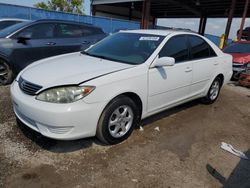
(51, 43)
(188, 69)
(216, 63)
(85, 42)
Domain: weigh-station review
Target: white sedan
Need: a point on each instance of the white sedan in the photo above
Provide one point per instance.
(107, 89)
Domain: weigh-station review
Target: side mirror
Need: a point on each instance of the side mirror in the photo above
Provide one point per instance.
(164, 61)
(23, 38)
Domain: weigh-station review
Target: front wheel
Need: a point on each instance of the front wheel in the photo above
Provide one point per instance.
(117, 120)
(213, 91)
(6, 73)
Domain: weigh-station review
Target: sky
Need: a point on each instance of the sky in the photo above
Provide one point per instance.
(214, 26)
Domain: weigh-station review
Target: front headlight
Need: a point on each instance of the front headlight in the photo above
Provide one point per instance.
(65, 94)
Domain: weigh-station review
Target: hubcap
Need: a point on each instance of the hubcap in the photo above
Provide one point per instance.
(214, 90)
(121, 121)
(3, 72)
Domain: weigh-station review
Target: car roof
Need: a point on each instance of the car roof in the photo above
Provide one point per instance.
(63, 21)
(157, 31)
(243, 42)
(12, 19)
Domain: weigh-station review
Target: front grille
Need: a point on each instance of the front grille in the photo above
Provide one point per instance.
(28, 87)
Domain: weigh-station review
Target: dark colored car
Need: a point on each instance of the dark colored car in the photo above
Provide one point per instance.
(245, 33)
(7, 22)
(26, 42)
(241, 56)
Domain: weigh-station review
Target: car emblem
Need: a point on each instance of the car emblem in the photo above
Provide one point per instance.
(22, 84)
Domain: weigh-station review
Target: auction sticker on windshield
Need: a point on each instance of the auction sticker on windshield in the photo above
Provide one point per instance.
(150, 38)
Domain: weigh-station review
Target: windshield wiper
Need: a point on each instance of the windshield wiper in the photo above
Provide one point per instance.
(85, 53)
(93, 55)
(103, 57)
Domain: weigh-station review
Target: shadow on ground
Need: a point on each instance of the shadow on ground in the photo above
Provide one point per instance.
(169, 112)
(239, 177)
(58, 146)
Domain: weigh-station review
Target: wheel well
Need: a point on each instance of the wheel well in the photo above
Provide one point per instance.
(6, 61)
(2, 59)
(135, 98)
(221, 78)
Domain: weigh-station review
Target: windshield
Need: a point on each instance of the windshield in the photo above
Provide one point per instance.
(5, 24)
(243, 48)
(131, 48)
(7, 31)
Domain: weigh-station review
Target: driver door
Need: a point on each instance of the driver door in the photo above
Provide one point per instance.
(38, 45)
(169, 85)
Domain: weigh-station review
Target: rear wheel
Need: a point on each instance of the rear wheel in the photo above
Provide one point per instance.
(6, 73)
(117, 120)
(213, 91)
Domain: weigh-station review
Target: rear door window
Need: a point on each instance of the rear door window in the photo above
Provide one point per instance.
(177, 48)
(199, 48)
(87, 31)
(68, 31)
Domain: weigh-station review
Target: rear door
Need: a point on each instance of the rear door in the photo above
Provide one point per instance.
(39, 45)
(69, 38)
(204, 63)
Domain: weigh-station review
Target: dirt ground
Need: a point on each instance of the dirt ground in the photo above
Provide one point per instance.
(184, 152)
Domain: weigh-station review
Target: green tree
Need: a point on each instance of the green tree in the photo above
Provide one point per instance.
(42, 5)
(72, 6)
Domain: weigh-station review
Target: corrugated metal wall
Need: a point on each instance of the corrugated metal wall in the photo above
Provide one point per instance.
(108, 25)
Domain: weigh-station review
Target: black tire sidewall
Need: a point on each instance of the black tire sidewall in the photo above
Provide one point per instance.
(105, 117)
(207, 99)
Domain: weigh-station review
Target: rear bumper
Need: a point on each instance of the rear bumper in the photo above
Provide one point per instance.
(237, 67)
(58, 121)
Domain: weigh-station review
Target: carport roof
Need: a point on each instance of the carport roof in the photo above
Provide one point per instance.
(174, 8)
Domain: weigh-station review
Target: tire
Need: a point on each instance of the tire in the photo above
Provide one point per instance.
(213, 91)
(6, 74)
(117, 120)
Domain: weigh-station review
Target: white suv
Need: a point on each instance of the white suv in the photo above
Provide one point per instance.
(109, 88)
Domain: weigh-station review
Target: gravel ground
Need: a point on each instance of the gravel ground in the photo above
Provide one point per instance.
(184, 152)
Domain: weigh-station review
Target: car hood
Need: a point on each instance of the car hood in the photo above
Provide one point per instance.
(240, 58)
(70, 69)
